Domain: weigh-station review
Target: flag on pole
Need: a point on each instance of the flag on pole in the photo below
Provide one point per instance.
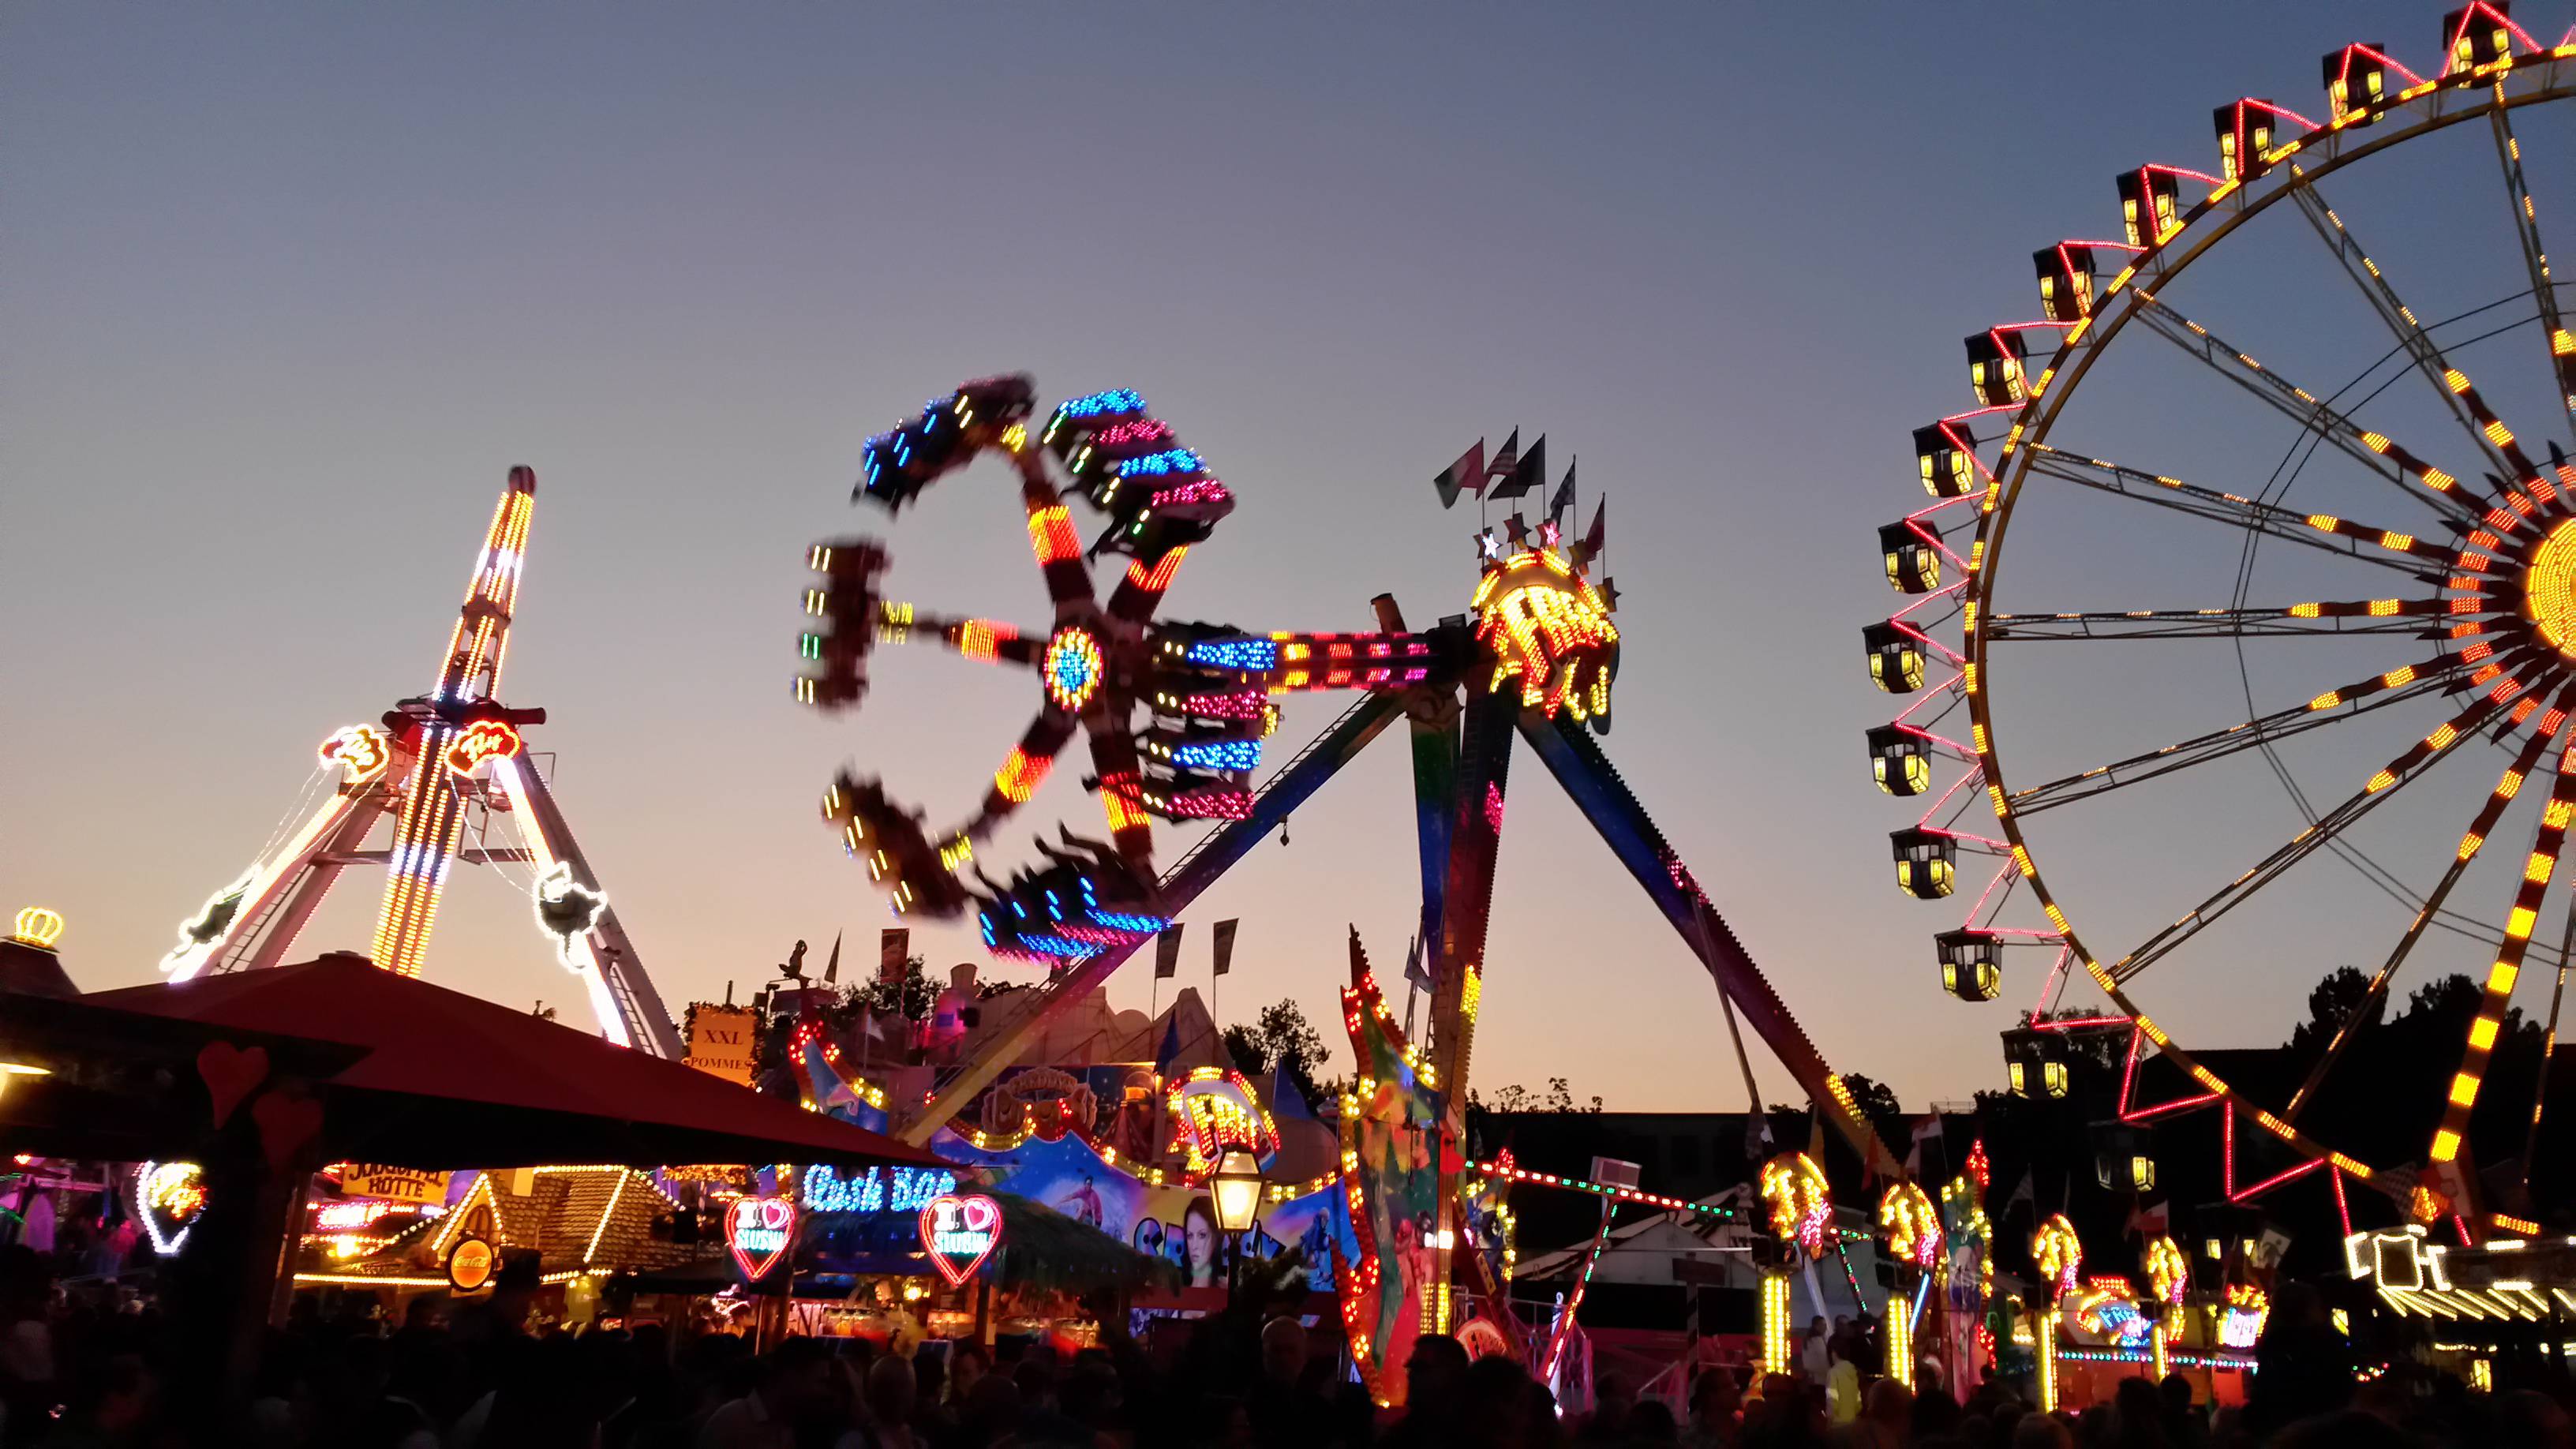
(1167, 952)
(1506, 458)
(894, 947)
(1563, 503)
(1816, 1134)
(1468, 472)
(2023, 1194)
(2150, 1220)
(1595, 538)
(1527, 472)
(1926, 1129)
(1224, 946)
(832, 968)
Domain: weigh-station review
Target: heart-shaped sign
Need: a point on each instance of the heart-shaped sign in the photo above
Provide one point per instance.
(960, 1232)
(169, 1197)
(230, 1073)
(760, 1230)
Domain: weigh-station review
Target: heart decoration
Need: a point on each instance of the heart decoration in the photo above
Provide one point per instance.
(760, 1231)
(230, 1073)
(960, 1232)
(286, 1123)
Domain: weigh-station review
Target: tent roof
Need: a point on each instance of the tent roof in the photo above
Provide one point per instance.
(450, 1079)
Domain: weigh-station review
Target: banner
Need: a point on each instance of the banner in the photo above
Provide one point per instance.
(393, 1184)
(1167, 952)
(894, 948)
(1224, 946)
(719, 1040)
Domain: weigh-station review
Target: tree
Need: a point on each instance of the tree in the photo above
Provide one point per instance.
(1282, 1039)
(912, 996)
(1877, 1103)
(2330, 1005)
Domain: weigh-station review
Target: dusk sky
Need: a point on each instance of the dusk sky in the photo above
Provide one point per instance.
(287, 289)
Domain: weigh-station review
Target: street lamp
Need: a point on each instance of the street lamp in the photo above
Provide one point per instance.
(1235, 1187)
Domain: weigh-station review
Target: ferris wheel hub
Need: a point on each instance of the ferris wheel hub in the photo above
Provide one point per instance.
(2549, 589)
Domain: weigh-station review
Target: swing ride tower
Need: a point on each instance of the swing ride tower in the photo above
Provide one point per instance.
(440, 768)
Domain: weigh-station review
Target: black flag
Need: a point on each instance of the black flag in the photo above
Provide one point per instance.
(1467, 472)
(1596, 537)
(832, 968)
(1224, 947)
(1563, 503)
(1167, 952)
(1528, 472)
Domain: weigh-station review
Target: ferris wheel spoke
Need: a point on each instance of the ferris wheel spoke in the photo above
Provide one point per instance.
(2356, 616)
(2535, 261)
(2461, 396)
(2403, 551)
(2377, 692)
(2508, 785)
(2411, 765)
(2549, 837)
(2383, 458)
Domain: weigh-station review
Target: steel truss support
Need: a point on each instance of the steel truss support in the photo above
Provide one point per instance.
(1588, 778)
(1191, 874)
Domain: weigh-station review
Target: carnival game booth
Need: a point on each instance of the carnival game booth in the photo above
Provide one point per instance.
(256, 1081)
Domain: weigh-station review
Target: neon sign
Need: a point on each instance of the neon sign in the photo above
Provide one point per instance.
(361, 752)
(1214, 1109)
(874, 1189)
(960, 1232)
(169, 1197)
(485, 739)
(1801, 1201)
(759, 1230)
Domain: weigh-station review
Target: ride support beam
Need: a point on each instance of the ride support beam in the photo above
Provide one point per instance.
(313, 878)
(622, 995)
(1194, 872)
(1589, 780)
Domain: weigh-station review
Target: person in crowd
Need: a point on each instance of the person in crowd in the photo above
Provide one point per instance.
(1716, 1412)
(1814, 1358)
(1435, 1382)
(1495, 1409)
(1842, 1380)
(1286, 1412)
(792, 1388)
(2303, 1366)
(1612, 1398)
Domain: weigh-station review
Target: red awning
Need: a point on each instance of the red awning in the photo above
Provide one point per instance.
(467, 1060)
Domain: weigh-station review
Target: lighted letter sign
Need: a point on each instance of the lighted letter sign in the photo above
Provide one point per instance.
(961, 1232)
(485, 739)
(760, 1230)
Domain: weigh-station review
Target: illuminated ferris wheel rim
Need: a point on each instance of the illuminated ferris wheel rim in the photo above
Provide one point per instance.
(2419, 110)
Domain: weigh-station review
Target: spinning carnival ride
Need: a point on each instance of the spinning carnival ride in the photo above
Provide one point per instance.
(2464, 583)
(442, 766)
(1175, 716)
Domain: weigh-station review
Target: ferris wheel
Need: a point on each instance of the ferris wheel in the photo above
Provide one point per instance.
(2398, 591)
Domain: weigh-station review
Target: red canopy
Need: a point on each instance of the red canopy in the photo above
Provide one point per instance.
(502, 1088)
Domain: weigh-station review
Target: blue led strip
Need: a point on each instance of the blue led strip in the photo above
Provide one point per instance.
(1169, 461)
(1100, 404)
(1219, 755)
(1250, 654)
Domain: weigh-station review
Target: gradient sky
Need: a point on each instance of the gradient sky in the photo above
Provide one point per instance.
(287, 289)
